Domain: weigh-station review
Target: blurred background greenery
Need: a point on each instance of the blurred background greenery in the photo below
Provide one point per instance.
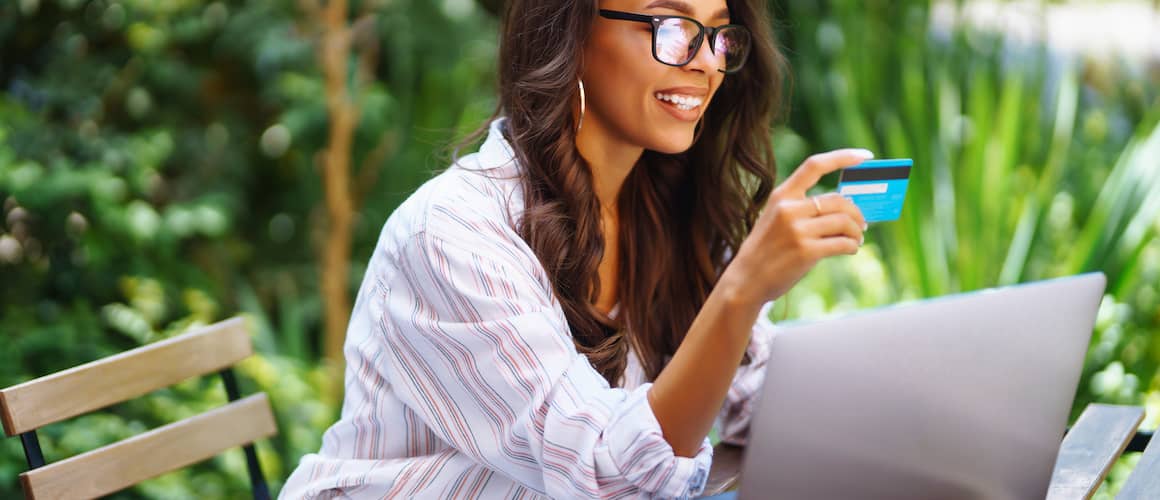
(169, 163)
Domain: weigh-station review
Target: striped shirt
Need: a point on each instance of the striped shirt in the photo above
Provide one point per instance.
(462, 378)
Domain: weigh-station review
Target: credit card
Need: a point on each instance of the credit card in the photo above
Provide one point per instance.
(878, 187)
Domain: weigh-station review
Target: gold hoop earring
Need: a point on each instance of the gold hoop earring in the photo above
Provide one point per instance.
(580, 122)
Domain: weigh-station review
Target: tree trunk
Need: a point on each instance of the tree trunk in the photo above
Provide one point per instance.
(335, 269)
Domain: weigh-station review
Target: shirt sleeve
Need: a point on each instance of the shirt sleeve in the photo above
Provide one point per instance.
(482, 353)
(736, 413)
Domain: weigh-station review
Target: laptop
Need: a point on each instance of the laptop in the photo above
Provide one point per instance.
(960, 397)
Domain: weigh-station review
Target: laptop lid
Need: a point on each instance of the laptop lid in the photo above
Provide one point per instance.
(959, 397)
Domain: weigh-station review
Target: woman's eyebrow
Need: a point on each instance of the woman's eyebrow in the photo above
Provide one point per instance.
(684, 8)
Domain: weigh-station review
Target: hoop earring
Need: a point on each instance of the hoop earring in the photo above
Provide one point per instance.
(580, 122)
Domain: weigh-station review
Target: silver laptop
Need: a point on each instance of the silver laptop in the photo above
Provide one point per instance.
(961, 397)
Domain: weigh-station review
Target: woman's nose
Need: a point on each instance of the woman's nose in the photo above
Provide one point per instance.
(707, 60)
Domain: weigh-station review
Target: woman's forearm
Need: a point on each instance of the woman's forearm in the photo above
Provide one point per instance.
(688, 394)
(789, 237)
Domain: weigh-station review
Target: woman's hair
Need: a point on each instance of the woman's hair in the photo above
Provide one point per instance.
(680, 216)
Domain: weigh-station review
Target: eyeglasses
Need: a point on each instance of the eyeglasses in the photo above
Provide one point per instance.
(677, 39)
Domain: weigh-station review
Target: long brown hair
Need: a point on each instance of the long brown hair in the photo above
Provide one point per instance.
(680, 215)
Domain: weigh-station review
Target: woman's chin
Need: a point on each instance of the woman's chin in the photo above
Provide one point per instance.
(674, 143)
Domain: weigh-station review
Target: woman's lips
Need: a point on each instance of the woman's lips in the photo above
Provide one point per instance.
(683, 106)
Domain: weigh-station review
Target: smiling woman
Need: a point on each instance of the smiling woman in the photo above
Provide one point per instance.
(567, 312)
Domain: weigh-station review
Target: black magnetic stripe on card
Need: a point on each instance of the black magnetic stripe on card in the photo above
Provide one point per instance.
(875, 174)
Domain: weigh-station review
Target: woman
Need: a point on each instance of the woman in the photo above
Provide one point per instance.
(567, 312)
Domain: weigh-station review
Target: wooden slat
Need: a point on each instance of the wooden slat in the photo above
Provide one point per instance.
(726, 469)
(110, 380)
(1090, 448)
(1144, 483)
(119, 465)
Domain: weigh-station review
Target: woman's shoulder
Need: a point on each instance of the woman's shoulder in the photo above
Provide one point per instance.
(459, 198)
(479, 195)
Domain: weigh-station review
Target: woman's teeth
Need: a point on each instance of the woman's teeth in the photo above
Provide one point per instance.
(683, 102)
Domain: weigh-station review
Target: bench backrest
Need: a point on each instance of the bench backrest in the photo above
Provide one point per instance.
(85, 388)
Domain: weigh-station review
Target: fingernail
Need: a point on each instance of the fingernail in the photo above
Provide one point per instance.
(865, 153)
(865, 226)
(861, 240)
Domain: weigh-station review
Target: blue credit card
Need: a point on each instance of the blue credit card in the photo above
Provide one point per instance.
(878, 187)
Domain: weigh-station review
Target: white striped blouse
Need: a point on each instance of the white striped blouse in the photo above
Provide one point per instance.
(462, 379)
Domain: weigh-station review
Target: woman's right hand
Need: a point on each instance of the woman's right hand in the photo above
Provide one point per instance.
(794, 232)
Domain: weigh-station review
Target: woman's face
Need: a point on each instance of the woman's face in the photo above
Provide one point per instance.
(634, 97)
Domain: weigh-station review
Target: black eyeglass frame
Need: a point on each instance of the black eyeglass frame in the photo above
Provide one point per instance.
(656, 20)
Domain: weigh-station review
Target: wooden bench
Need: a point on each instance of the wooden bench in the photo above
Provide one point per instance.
(1091, 446)
(82, 389)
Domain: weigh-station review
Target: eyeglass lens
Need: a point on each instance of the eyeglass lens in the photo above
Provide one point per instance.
(678, 40)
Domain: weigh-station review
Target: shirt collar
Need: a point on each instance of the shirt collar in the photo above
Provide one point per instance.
(495, 152)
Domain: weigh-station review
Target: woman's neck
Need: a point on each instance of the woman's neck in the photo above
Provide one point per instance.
(610, 159)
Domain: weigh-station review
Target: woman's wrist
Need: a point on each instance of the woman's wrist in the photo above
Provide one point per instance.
(736, 294)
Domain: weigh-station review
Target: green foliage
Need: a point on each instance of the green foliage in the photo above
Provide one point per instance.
(158, 171)
(1019, 173)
